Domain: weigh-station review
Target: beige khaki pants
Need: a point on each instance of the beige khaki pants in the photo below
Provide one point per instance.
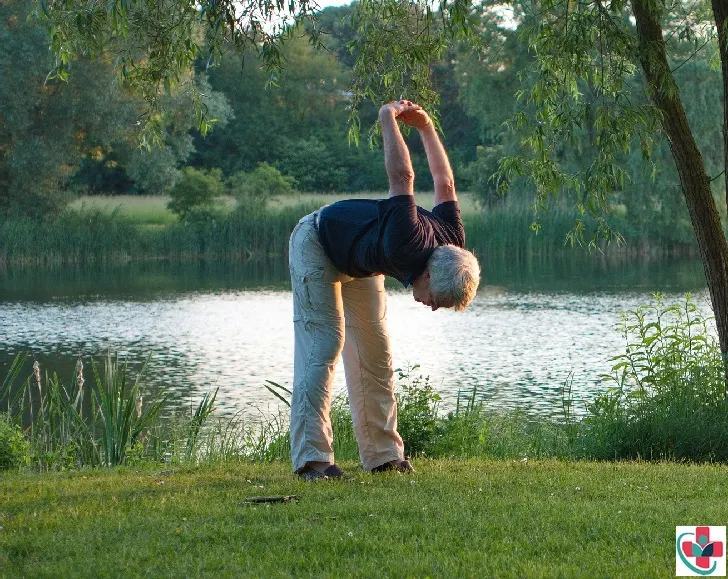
(336, 314)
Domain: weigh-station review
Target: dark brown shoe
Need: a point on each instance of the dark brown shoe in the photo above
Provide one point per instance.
(395, 465)
(332, 472)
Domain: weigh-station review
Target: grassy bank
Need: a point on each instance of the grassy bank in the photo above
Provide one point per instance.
(452, 518)
(115, 230)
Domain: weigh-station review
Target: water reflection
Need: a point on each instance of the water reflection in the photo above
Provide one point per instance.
(532, 325)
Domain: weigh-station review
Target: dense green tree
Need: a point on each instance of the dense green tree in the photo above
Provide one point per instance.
(49, 128)
(489, 78)
(156, 42)
(46, 126)
(337, 32)
(153, 170)
(298, 124)
(271, 119)
(650, 200)
(603, 48)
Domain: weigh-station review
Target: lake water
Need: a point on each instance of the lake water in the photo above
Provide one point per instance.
(534, 324)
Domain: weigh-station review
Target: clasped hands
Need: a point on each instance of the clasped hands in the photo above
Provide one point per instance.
(408, 112)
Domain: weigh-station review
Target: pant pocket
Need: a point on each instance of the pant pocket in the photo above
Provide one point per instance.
(301, 298)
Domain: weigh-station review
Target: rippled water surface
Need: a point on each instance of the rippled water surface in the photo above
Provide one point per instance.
(531, 327)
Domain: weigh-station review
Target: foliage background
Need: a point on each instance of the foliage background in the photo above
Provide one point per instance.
(60, 139)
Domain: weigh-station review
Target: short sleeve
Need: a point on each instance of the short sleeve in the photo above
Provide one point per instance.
(448, 213)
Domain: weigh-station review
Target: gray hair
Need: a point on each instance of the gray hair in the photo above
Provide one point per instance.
(454, 275)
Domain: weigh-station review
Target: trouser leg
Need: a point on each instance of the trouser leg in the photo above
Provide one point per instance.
(319, 335)
(369, 373)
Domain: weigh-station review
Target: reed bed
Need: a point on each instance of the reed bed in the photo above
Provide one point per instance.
(47, 425)
(110, 421)
(98, 233)
(95, 237)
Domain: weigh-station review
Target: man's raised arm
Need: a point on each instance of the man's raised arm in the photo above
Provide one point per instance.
(442, 176)
(397, 161)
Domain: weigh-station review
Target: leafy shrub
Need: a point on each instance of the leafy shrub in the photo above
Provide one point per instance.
(260, 184)
(667, 399)
(14, 448)
(195, 192)
(417, 406)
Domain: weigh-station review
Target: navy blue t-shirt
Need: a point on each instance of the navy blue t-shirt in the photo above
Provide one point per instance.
(395, 237)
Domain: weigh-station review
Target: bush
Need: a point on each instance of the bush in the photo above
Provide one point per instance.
(196, 192)
(258, 185)
(14, 448)
(417, 406)
(667, 399)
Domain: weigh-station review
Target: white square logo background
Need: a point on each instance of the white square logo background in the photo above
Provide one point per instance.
(683, 534)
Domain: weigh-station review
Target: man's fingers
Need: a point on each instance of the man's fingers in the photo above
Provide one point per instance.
(403, 107)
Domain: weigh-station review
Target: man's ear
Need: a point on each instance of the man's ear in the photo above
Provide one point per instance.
(427, 273)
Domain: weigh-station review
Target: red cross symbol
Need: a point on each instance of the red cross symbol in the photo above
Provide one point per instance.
(702, 548)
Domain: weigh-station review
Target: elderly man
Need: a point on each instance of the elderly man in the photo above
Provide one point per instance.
(338, 258)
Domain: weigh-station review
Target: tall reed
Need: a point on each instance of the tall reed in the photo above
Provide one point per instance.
(121, 409)
(96, 237)
(81, 425)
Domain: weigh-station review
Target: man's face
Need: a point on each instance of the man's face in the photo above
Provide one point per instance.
(422, 293)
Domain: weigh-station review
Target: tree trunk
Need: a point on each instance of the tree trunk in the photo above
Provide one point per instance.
(693, 178)
(720, 13)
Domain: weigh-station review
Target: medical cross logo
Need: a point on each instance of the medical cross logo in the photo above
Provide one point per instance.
(700, 551)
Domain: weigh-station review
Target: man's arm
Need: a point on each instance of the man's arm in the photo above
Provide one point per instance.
(439, 164)
(442, 176)
(397, 161)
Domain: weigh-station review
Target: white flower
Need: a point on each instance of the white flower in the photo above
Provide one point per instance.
(351, 533)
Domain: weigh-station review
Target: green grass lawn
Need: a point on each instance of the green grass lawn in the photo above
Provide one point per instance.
(451, 518)
(426, 199)
(144, 209)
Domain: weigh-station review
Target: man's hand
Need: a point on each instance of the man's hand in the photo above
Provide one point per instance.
(403, 111)
(417, 118)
